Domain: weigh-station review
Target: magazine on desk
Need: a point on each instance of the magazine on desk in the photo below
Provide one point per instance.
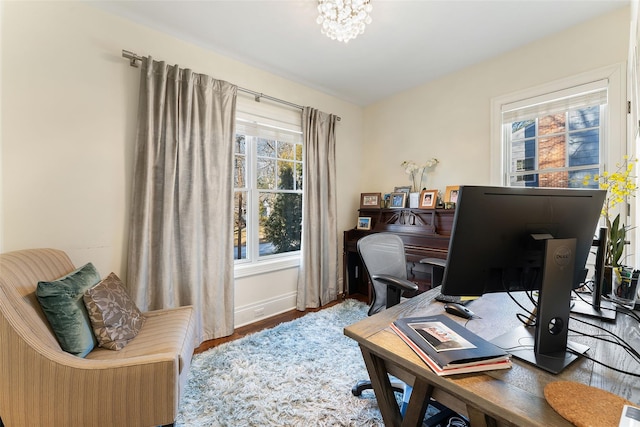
(447, 347)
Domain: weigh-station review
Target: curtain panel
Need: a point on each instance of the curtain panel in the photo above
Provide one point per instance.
(318, 273)
(181, 225)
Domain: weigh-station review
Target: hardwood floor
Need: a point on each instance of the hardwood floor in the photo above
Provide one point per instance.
(268, 323)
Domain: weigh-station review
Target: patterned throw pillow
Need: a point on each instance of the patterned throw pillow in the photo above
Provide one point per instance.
(114, 317)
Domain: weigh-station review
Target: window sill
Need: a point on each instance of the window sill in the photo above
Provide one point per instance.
(252, 269)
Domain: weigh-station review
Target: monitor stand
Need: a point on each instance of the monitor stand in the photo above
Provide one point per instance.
(545, 345)
(605, 310)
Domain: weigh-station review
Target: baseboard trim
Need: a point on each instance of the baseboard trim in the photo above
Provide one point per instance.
(254, 312)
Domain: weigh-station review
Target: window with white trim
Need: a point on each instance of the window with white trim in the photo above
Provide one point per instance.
(267, 183)
(555, 139)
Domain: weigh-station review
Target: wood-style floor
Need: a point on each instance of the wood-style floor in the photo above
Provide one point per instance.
(268, 323)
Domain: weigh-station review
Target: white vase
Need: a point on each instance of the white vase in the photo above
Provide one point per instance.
(414, 200)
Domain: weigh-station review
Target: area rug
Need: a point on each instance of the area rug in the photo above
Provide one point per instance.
(299, 373)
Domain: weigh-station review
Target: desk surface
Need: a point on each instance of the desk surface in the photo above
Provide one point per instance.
(514, 396)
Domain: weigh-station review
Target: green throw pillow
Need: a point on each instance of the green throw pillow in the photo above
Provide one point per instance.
(62, 303)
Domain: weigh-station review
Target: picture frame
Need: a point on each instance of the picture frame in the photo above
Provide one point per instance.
(398, 200)
(369, 200)
(451, 194)
(403, 189)
(364, 223)
(428, 199)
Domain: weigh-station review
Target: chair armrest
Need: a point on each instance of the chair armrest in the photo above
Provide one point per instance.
(434, 261)
(437, 271)
(396, 282)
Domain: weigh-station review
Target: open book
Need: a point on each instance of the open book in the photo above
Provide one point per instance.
(449, 348)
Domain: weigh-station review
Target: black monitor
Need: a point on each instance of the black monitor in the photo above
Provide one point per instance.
(523, 239)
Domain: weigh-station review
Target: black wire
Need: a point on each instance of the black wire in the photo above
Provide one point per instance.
(621, 342)
(618, 340)
(633, 374)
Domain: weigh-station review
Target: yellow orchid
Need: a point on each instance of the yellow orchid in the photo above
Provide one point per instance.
(620, 185)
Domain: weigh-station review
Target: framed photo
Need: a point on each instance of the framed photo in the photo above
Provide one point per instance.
(428, 199)
(404, 189)
(369, 200)
(451, 194)
(398, 200)
(364, 223)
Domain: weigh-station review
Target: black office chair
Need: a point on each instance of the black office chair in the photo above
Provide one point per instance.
(384, 259)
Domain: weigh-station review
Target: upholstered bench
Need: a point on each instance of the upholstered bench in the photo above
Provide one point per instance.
(42, 385)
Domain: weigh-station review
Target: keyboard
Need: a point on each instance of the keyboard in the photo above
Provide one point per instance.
(451, 298)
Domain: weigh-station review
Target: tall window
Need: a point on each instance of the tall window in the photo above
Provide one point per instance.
(555, 139)
(268, 186)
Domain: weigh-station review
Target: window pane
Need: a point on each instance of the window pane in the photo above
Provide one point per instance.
(240, 172)
(299, 176)
(524, 129)
(523, 154)
(551, 124)
(280, 222)
(584, 118)
(266, 148)
(524, 180)
(554, 179)
(551, 153)
(266, 179)
(584, 148)
(299, 152)
(285, 175)
(240, 146)
(240, 225)
(286, 150)
(576, 178)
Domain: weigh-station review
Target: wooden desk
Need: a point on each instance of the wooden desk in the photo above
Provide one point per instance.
(512, 397)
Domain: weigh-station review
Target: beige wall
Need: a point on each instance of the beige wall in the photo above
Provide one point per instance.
(69, 104)
(449, 118)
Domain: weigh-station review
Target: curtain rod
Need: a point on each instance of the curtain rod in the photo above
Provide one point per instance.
(132, 57)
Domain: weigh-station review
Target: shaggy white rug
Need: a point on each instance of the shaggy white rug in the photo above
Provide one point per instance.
(299, 373)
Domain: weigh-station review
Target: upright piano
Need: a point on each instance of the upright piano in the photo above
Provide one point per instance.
(424, 232)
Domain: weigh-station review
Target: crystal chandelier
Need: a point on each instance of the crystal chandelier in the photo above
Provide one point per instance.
(343, 20)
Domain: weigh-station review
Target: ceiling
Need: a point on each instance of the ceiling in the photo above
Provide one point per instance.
(407, 44)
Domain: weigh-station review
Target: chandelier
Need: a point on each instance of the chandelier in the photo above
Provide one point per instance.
(343, 20)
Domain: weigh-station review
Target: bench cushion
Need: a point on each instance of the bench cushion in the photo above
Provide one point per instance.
(164, 331)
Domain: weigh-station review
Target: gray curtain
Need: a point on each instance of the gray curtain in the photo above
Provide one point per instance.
(318, 274)
(181, 234)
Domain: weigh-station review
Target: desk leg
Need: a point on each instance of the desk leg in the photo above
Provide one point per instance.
(382, 388)
(418, 402)
(477, 418)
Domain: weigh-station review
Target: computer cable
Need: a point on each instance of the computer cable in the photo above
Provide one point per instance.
(577, 353)
(457, 422)
(618, 340)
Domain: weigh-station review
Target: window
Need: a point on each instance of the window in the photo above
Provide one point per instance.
(267, 184)
(521, 153)
(555, 139)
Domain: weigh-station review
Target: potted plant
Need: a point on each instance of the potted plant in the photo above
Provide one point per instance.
(619, 185)
(417, 174)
